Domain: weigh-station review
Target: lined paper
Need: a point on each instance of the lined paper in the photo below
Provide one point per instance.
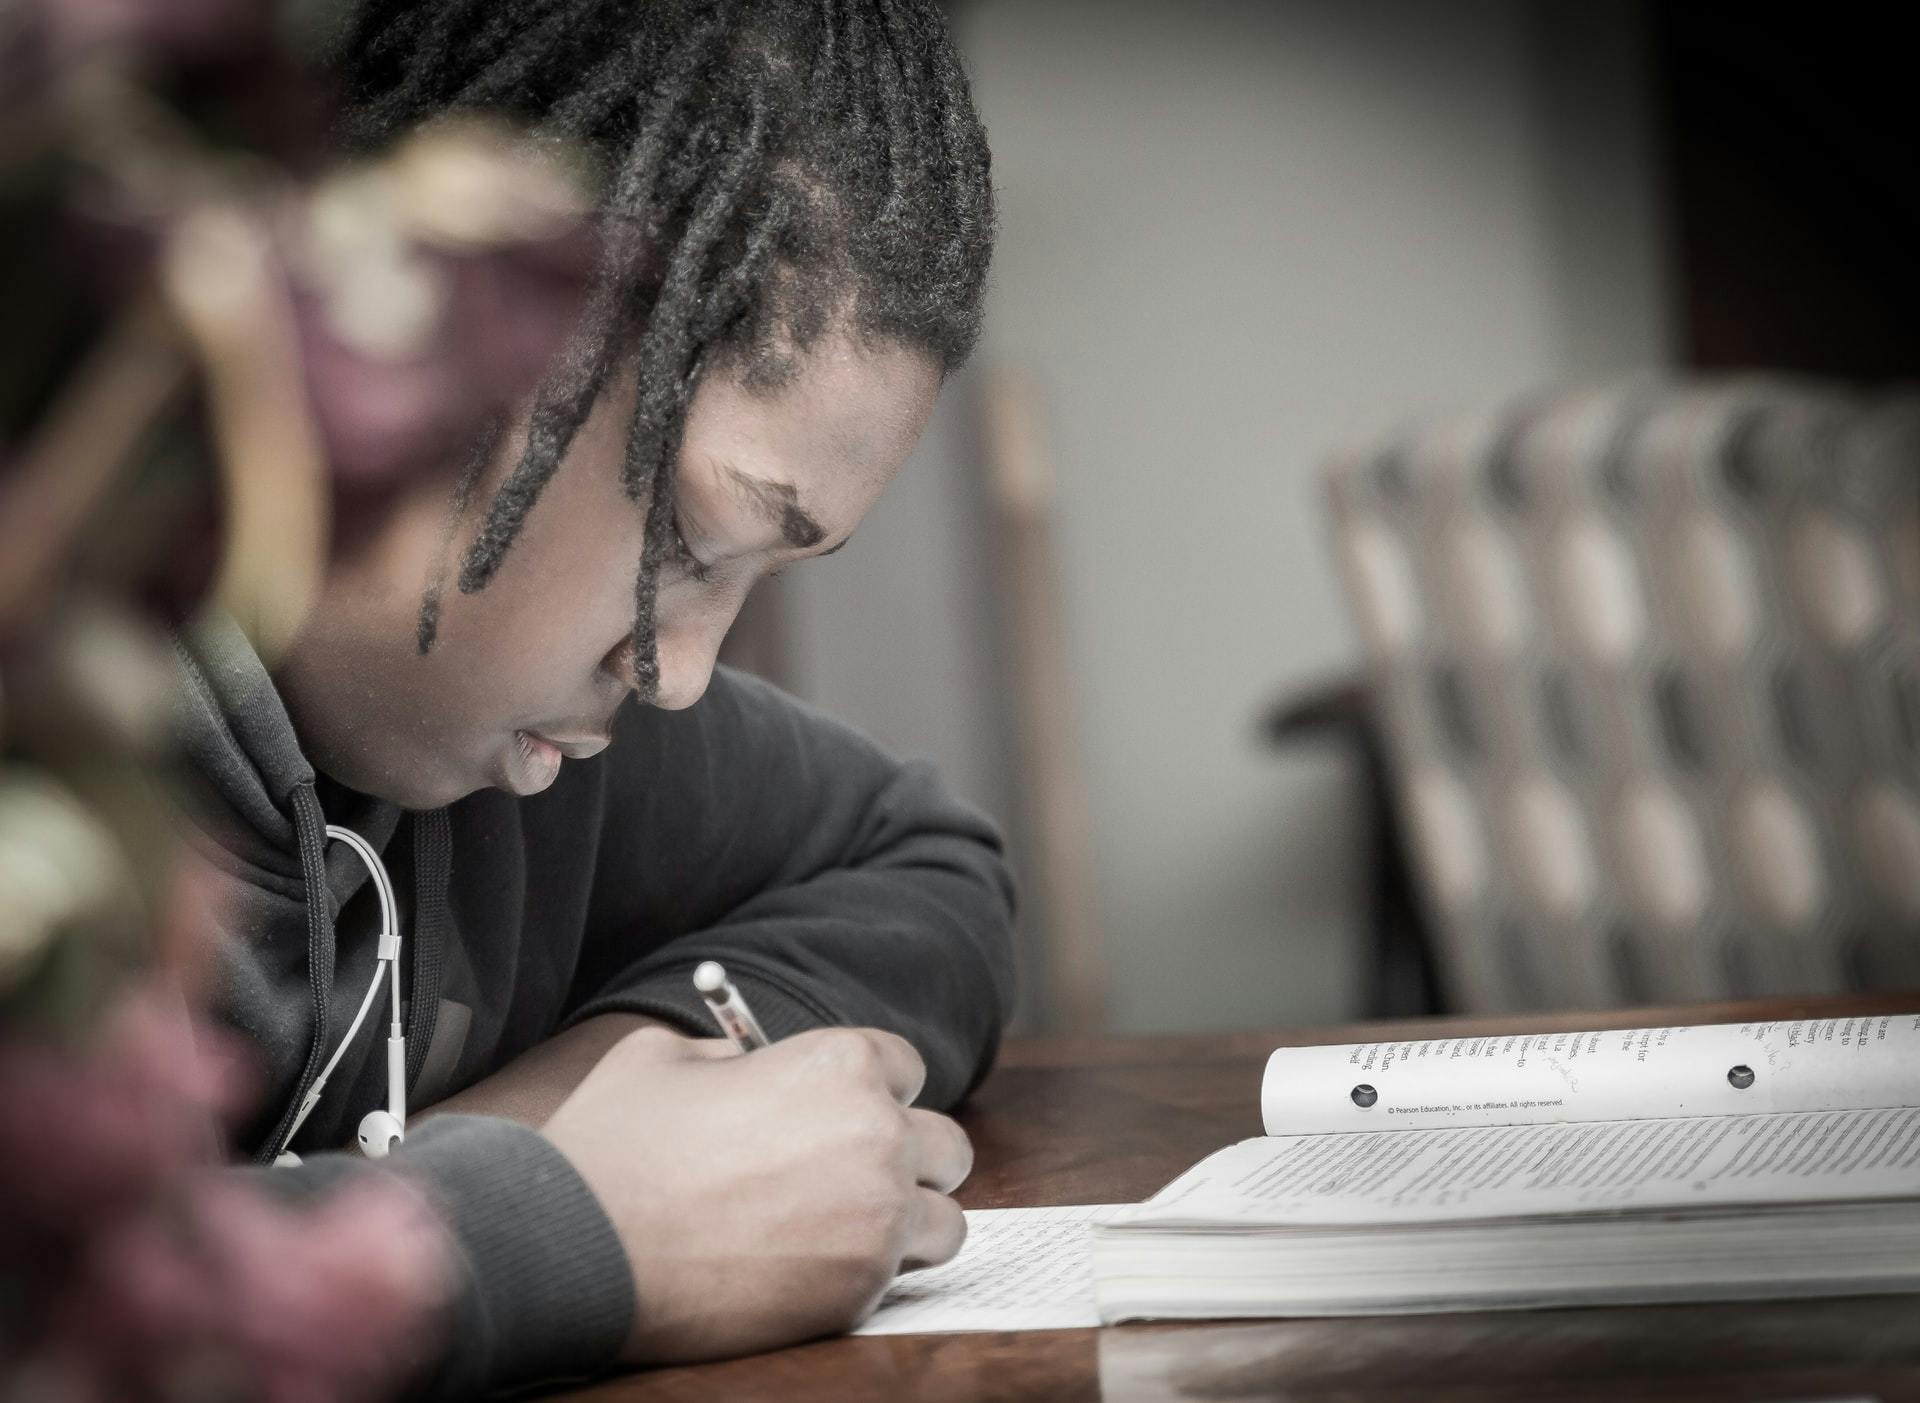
(1021, 1269)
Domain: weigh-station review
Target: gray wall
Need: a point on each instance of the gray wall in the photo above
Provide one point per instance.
(1232, 235)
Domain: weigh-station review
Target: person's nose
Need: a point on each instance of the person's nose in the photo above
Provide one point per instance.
(687, 638)
(688, 653)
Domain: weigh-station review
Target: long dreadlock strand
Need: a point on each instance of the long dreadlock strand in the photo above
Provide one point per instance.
(560, 408)
(967, 246)
(426, 42)
(855, 76)
(386, 25)
(567, 400)
(660, 410)
(902, 157)
(602, 92)
(826, 54)
(502, 77)
(427, 625)
(731, 293)
(924, 94)
(669, 344)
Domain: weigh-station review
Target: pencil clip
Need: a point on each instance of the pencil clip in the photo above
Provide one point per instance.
(1364, 1096)
(1740, 1078)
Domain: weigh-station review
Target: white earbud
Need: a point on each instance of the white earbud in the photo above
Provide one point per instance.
(380, 1131)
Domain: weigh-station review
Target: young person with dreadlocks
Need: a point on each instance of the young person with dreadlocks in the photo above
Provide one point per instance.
(802, 221)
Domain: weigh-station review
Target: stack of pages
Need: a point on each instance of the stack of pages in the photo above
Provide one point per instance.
(1659, 1164)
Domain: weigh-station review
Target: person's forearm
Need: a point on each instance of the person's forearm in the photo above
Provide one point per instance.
(541, 1287)
(838, 885)
(916, 949)
(530, 1088)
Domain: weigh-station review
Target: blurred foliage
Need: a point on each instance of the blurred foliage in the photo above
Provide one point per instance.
(224, 354)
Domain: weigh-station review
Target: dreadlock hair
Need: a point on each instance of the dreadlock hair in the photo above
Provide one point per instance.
(770, 170)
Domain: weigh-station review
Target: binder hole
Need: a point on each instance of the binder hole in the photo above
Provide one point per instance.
(1740, 1078)
(1364, 1095)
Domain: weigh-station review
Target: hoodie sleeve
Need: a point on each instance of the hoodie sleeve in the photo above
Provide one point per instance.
(544, 1289)
(837, 884)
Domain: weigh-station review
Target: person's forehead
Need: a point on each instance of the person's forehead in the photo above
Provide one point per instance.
(844, 413)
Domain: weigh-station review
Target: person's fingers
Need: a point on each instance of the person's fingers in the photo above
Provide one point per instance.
(942, 1156)
(939, 1230)
(900, 1064)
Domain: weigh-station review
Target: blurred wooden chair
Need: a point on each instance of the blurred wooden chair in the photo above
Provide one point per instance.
(1644, 683)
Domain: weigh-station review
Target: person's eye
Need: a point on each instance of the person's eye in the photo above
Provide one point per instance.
(683, 556)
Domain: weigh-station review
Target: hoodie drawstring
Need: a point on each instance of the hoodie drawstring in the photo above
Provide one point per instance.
(432, 874)
(310, 834)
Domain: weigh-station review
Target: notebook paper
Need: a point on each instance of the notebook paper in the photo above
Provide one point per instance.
(1022, 1269)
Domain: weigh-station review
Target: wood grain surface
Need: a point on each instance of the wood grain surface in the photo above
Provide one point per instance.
(1090, 1120)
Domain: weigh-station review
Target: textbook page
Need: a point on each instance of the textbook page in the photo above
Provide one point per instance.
(1021, 1269)
(1515, 1171)
(1632, 1073)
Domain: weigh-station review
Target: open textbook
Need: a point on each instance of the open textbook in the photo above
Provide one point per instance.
(1652, 1164)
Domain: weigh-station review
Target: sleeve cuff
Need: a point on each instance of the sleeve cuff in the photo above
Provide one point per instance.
(548, 1292)
(666, 992)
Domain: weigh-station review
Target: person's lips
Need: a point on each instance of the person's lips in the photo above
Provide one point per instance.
(528, 764)
(574, 747)
(530, 760)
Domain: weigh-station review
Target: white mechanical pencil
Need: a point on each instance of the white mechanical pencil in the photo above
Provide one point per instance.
(729, 1009)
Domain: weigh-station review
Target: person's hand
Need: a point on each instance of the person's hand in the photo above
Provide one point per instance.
(768, 1198)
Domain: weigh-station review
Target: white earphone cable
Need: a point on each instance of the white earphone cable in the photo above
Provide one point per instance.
(389, 909)
(387, 962)
(320, 1082)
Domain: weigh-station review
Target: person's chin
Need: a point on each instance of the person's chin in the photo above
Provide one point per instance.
(435, 785)
(421, 797)
(520, 764)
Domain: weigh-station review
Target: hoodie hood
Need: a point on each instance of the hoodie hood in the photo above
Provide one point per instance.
(255, 812)
(251, 776)
(235, 733)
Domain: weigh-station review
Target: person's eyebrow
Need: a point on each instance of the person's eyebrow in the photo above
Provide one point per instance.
(779, 505)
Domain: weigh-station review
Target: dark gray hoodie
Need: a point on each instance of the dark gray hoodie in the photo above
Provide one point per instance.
(839, 886)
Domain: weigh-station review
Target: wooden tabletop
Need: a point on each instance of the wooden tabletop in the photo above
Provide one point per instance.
(1102, 1120)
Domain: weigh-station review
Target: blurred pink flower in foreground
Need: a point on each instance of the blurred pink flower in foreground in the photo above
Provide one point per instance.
(100, 1130)
(432, 291)
(149, 1271)
(344, 330)
(232, 1294)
